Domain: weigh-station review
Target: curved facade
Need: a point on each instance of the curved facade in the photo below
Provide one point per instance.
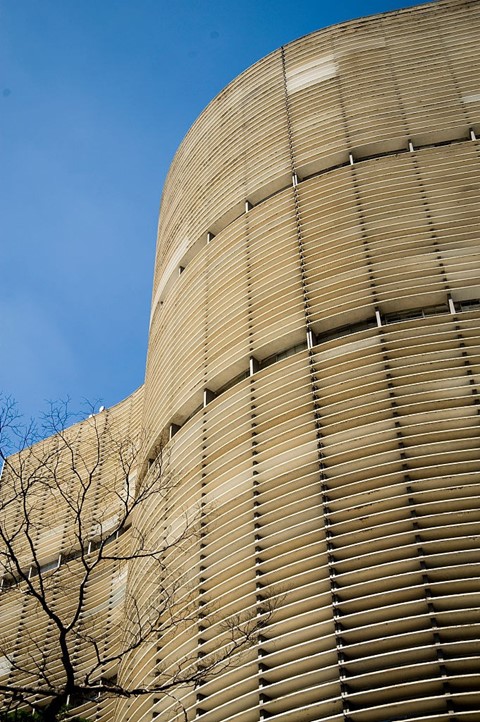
(314, 354)
(48, 477)
(313, 378)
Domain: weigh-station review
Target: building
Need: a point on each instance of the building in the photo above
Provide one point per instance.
(314, 362)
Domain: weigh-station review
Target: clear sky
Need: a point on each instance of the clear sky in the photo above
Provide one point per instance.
(95, 96)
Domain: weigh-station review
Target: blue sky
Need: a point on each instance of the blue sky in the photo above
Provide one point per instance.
(95, 96)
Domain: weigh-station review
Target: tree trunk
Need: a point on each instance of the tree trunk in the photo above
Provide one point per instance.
(52, 710)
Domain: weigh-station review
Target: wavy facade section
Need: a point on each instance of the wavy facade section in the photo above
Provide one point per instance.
(313, 382)
(313, 358)
(55, 470)
(356, 115)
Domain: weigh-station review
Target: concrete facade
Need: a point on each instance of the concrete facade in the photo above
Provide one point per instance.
(314, 363)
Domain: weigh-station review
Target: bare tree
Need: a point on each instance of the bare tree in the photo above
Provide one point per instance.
(68, 616)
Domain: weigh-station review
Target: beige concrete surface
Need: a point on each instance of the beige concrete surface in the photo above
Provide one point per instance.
(314, 359)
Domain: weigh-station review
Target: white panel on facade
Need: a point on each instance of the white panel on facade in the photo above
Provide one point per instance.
(315, 71)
